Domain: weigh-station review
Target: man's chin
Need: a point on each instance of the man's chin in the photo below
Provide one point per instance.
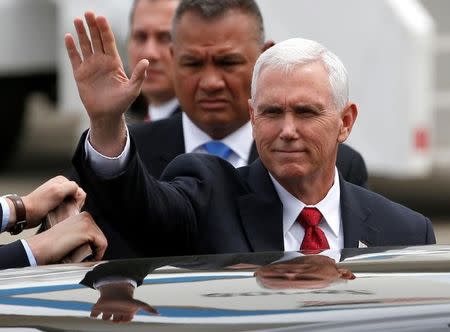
(290, 172)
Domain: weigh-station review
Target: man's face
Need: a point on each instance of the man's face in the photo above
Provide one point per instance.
(213, 64)
(296, 125)
(150, 39)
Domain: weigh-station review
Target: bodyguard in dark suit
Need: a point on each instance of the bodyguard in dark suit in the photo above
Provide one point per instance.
(292, 198)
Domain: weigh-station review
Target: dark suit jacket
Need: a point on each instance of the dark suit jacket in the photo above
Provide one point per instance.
(13, 254)
(158, 143)
(207, 206)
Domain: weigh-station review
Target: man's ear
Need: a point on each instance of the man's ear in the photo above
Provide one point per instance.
(251, 111)
(268, 44)
(348, 117)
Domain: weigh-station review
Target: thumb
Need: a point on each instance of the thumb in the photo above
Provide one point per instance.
(138, 75)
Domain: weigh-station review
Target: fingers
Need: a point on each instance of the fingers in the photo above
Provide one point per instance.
(96, 237)
(101, 39)
(66, 189)
(138, 75)
(107, 316)
(85, 43)
(80, 198)
(74, 56)
(107, 36)
(95, 313)
(149, 309)
(97, 43)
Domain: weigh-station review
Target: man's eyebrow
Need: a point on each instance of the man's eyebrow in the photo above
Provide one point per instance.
(230, 56)
(266, 107)
(311, 107)
(188, 57)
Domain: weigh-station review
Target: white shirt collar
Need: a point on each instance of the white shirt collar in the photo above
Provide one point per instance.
(239, 141)
(329, 206)
(162, 111)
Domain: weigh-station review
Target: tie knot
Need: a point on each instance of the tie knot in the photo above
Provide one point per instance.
(310, 217)
(217, 148)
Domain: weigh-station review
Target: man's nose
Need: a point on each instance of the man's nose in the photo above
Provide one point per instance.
(211, 80)
(151, 50)
(289, 128)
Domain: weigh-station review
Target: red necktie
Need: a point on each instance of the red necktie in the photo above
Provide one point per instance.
(314, 240)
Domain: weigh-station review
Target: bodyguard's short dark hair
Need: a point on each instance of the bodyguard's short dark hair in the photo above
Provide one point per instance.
(211, 9)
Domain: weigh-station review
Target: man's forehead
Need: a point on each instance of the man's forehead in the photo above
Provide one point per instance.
(302, 84)
(232, 22)
(160, 10)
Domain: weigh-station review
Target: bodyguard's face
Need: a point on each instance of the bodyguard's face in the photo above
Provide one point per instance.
(296, 126)
(150, 39)
(213, 64)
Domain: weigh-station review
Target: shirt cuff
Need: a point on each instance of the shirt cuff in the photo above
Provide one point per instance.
(106, 167)
(5, 214)
(30, 255)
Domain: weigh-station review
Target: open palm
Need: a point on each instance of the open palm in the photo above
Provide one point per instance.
(104, 88)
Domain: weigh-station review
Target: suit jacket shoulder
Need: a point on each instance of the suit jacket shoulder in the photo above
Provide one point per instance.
(377, 221)
(351, 165)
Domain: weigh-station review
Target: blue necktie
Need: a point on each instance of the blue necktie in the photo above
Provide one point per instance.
(217, 148)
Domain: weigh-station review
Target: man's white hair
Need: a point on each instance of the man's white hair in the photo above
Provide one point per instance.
(298, 51)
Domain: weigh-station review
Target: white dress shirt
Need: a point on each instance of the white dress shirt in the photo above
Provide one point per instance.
(162, 111)
(5, 215)
(330, 208)
(240, 141)
(5, 220)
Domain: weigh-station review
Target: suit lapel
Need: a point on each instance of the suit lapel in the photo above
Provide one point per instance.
(355, 214)
(261, 211)
(253, 153)
(174, 146)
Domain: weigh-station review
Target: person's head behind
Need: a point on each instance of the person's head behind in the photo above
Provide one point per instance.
(215, 45)
(150, 38)
(300, 111)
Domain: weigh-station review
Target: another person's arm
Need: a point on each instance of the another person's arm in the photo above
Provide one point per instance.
(53, 245)
(42, 200)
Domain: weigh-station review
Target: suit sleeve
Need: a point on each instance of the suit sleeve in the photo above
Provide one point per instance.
(13, 255)
(135, 203)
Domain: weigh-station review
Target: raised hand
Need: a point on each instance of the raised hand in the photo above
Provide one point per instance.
(104, 88)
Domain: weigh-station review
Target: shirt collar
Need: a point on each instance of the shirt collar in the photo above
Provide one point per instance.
(329, 206)
(239, 141)
(162, 111)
